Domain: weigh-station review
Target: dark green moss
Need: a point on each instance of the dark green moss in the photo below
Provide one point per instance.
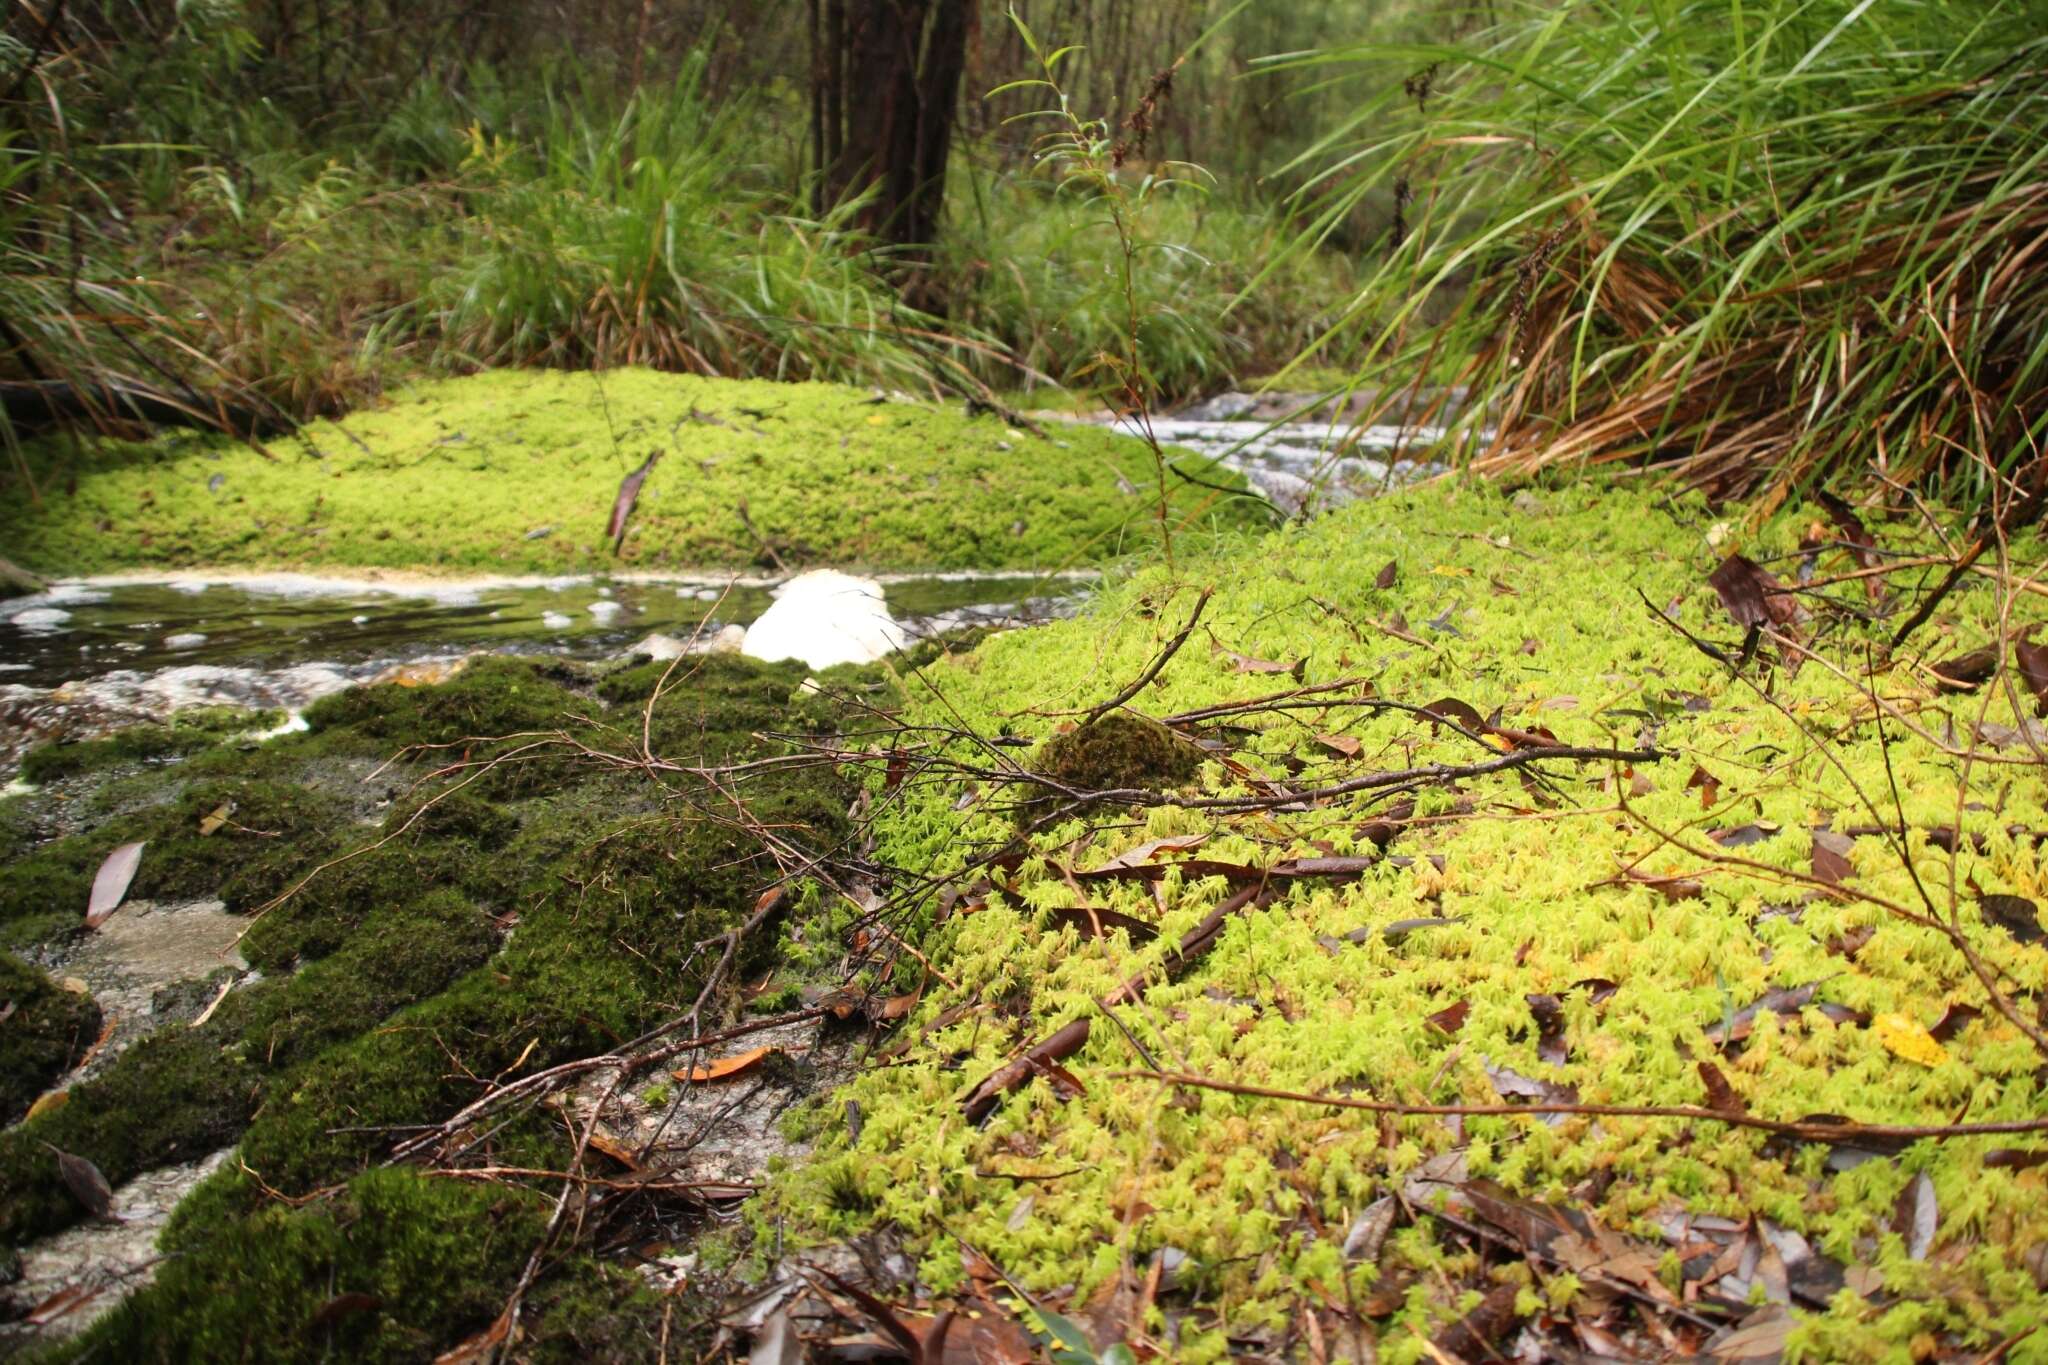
(436, 1257)
(1117, 751)
(185, 733)
(489, 699)
(45, 1030)
(180, 862)
(386, 1008)
(452, 814)
(137, 744)
(592, 1312)
(175, 1096)
(336, 884)
(183, 863)
(403, 955)
(181, 1093)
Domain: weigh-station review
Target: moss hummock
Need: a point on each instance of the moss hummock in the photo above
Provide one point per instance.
(44, 1031)
(516, 471)
(481, 926)
(1545, 610)
(1115, 751)
(186, 732)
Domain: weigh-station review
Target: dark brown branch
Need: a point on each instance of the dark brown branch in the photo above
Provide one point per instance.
(1159, 661)
(1801, 1130)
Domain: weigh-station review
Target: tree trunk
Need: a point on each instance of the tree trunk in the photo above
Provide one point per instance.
(891, 87)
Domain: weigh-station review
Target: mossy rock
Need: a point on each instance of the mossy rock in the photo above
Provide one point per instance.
(432, 1259)
(48, 887)
(487, 699)
(185, 733)
(310, 900)
(452, 814)
(391, 985)
(46, 1029)
(402, 955)
(175, 1096)
(1115, 752)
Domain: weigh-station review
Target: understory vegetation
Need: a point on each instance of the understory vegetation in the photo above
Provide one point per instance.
(1584, 901)
(1766, 245)
(257, 261)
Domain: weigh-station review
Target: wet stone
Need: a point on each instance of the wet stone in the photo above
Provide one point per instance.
(69, 1280)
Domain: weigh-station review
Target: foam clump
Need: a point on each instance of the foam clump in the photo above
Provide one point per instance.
(824, 618)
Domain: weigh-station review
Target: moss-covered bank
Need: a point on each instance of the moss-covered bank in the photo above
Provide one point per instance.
(44, 1031)
(516, 471)
(481, 922)
(1562, 943)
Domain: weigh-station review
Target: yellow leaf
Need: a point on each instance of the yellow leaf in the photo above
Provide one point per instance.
(49, 1102)
(1903, 1036)
(878, 420)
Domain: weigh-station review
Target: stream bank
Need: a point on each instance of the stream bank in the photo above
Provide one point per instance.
(382, 939)
(493, 867)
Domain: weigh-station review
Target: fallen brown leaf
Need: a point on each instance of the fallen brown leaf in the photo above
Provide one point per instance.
(1720, 1094)
(1831, 856)
(86, 1183)
(110, 883)
(1451, 1018)
(727, 1067)
(622, 506)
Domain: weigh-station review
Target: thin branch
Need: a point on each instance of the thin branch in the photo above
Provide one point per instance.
(1803, 1130)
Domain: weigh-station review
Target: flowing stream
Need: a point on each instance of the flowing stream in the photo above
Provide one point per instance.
(91, 654)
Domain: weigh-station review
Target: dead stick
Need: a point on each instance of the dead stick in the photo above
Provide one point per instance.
(1802, 1130)
(2029, 508)
(982, 1100)
(1159, 661)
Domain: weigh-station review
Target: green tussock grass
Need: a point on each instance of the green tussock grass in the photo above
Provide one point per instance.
(1763, 242)
(517, 471)
(1034, 269)
(1536, 879)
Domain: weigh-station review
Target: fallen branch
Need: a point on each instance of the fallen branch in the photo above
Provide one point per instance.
(1802, 1130)
(1159, 661)
(982, 1100)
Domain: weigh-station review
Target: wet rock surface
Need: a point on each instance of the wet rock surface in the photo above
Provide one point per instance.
(149, 966)
(68, 1281)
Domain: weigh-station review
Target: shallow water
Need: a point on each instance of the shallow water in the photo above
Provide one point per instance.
(92, 654)
(88, 628)
(1312, 463)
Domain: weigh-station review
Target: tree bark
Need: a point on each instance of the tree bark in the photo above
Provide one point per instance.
(891, 89)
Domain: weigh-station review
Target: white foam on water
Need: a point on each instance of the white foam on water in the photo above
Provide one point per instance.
(824, 618)
(40, 620)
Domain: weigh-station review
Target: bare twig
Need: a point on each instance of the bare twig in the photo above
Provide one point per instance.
(1159, 661)
(1802, 1130)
